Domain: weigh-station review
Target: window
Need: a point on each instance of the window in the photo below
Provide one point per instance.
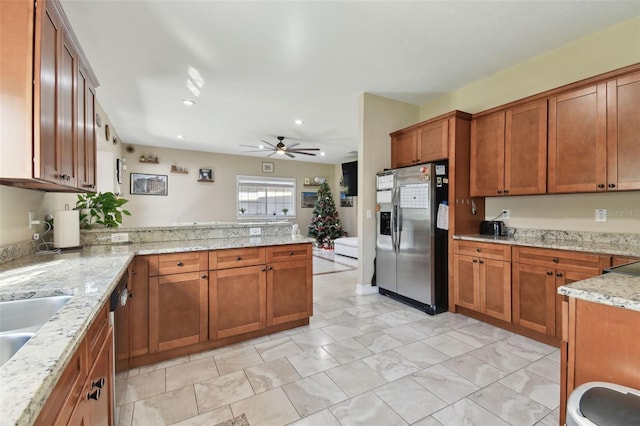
(266, 197)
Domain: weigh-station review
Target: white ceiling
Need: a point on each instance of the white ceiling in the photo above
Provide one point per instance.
(261, 65)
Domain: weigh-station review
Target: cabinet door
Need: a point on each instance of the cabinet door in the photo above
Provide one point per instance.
(534, 298)
(289, 291)
(100, 387)
(177, 310)
(466, 282)
(67, 113)
(487, 155)
(525, 166)
(85, 132)
(433, 142)
(623, 125)
(495, 288)
(139, 309)
(237, 301)
(45, 102)
(577, 141)
(404, 149)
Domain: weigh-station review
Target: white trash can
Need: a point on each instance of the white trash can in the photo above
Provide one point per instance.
(603, 404)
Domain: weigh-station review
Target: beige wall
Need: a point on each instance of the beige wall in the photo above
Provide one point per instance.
(378, 117)
(189, 200)
(607, 50)
(348, 215)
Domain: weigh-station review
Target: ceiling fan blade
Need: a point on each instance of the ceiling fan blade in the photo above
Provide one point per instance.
(292, 145)
(304, 153)
(250, 146)
(304, 149)
(258, 150)
(288, 154)
(271, 154)
(268, 143)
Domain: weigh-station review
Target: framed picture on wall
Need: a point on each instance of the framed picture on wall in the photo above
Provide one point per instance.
(308, 199)
(205, 175)
(267, 167)
(345, 201)
(146, 184)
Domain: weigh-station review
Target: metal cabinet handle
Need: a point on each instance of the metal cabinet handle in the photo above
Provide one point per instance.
(549, 273)
(601, 185)
(271, 268)
(559, 275)
(499, 191)
(506, 191)
(612, 185)
(475, 260)
(180, 264)
(555, 260)
(478, 250)
(98, 383)
(204, 276)
(94, 395)
(239, 258)
(290, 253)
(481, 261)
(264, 269)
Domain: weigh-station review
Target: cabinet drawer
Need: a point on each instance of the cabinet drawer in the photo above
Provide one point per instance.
(168, 264)
(288, 252)
(236, 258)
(561, 259)
(97, 332)
(485, 250)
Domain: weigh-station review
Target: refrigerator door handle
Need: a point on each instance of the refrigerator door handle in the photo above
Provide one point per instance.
(393, 219)
(398, 229)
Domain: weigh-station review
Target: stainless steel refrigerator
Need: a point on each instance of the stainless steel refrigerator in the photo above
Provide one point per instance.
(411, 242)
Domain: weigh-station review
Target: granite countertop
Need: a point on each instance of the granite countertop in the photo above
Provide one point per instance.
(89, 275)
(581, 246)
(619, 290)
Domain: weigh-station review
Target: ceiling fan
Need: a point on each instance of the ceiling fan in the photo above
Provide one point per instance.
(282, 149)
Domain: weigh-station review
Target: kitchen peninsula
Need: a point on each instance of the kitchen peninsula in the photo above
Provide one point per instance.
(89, 275)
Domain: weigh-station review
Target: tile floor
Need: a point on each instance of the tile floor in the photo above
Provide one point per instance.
(363, 360)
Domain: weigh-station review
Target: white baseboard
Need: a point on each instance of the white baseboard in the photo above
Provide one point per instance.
(364, 289)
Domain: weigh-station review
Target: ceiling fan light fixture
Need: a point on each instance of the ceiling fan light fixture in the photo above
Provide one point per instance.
(188, 102)
(322, 154)
(299, 122)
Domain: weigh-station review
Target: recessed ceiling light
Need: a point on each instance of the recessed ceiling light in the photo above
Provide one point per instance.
(299, 122)
(261, 146)
(188, 102)
(322, 153)
(180, 136)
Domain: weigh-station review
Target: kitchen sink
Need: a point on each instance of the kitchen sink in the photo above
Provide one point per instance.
(20, 319)
(11, 343)
(28, 315)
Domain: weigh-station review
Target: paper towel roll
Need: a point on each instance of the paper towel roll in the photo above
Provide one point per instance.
(66, 228)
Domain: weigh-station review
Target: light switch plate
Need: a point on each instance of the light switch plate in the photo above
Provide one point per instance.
(506, 214)
(601, 215)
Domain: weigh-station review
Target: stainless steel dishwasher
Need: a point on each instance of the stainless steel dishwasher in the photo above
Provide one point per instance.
(121, 333)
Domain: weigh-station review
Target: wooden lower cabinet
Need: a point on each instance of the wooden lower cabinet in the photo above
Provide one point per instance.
(482, 278)
(178, 310)
(537, 273)
(599, 344)
(237, 301)
(139, 309)
(84, 392)
(289, 291)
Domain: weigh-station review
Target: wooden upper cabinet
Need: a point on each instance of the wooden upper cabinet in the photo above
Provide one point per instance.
(578, 140)
(509, 151)
(404, 149)
(433, 141)
(41, 83)
(422, 143)
(487, 155)
(525, 166)
(623, 138)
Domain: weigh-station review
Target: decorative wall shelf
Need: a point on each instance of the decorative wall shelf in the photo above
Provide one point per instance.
(151, 160)
(312, 184)
(179, 170)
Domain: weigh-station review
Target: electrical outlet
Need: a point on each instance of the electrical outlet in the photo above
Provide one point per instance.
(506, 213)
(120, 237)
(601, 215)
(36, 236)
(255, 231)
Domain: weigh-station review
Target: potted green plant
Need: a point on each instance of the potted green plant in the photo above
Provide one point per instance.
(242, 210)
(102, 208)
(284, 211)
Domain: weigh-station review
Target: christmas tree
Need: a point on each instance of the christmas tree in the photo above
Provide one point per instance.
(325, 223)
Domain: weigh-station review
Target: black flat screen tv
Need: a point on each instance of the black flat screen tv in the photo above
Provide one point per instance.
(350, 177)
